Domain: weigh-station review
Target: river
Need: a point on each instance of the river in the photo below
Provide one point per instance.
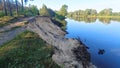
(100, 36)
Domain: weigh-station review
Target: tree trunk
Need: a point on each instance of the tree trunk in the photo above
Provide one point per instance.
(10, 8)
(4, 7)
(16, 6)
(22, 5)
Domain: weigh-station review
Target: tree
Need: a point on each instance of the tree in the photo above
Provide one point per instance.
(16, 1)
(4, 7)
(22, 5)
(63, 10)
(22, 2)
(13, 6)
(90, 12)
(44, 11)
(51, 12)
(93, 12)
(10, 8)
(106, 12)
(34, 10)
(87, 11)
(70, 14)
(0, 4)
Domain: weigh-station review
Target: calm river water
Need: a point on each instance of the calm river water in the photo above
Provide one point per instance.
(98, 35)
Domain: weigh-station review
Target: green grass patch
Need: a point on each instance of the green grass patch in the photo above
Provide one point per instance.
(26, 50)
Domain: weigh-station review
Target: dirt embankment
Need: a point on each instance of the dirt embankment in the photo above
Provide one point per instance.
(68, 52)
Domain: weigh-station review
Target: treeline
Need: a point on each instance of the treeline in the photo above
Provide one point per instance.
(44, 11)
(14, 7)
(93, 13)
(57, 16)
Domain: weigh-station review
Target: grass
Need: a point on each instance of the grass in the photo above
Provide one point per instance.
(26, 50)
(7, 20)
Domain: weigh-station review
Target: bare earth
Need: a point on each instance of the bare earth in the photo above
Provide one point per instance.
(68, 52)
(7, 32)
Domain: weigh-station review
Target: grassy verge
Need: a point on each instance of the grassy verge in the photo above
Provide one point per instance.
(26, 50)
(7, 20)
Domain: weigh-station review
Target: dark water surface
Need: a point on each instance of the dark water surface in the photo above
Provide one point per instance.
(98, 35)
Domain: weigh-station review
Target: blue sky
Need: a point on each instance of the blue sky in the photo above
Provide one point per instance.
(79, 4)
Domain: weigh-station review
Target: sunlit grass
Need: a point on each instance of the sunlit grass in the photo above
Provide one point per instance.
(7, 20)
(27, 50)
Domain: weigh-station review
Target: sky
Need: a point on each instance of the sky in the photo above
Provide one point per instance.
(79, 4)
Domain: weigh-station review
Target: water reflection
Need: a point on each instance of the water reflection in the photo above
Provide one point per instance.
(93, 19)
(86, 20)
(103, 40)
(105, 20)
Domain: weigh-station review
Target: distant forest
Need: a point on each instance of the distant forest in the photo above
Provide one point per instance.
(93, 13)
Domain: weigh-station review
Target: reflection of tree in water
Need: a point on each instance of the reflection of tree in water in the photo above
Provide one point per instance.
(116, 19)
(85, 19)
(105, 20)
(93, 19)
